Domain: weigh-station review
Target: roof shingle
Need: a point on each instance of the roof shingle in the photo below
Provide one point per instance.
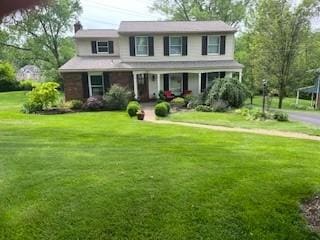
(115, 64)
(127, 27)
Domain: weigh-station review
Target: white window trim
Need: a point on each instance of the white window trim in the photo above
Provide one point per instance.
(171, 54)
(218, 53)
(89, 81)
(136, 46)
(98, 47)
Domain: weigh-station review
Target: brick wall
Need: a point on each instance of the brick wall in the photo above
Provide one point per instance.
(124, 79)
(73, 88)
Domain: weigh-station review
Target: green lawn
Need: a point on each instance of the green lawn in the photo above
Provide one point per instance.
(287, 103)
(232, 119)
(105, 176)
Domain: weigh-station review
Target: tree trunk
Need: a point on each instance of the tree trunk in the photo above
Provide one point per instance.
(251, 100)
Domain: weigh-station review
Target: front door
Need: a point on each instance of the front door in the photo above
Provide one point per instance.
(143, 87)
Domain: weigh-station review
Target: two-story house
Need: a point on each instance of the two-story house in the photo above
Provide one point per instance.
(149, 56)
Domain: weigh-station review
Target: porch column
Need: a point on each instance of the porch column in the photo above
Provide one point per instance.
(199, 82)
(135, 85)
(158, 82)
(240, 76)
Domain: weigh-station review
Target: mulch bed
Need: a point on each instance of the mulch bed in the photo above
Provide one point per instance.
(55, 111)
(311, 211)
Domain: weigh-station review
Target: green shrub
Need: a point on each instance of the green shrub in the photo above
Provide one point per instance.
(167, 105)
(178, 102)
(161, 95)
(132, 108)
(203, 108)
(220, 106)
(117, 98)
(281, 116)
(27, 85)
(161, 110)
(76, 104)
(31, 107)
(7, 78)
(229, 90)
(43, 96)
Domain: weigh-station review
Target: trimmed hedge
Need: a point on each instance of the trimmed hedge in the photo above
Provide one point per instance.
(132, 108)
(161, 110)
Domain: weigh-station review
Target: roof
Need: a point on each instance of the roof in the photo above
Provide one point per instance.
(127, 27)
(77, 64)
(97, 33)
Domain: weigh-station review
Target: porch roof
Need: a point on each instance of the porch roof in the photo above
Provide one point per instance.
(77, 64)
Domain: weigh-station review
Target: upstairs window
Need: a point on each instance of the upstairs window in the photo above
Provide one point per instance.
(102, 47)
(142, 46)
(213, 44)
(175, 46)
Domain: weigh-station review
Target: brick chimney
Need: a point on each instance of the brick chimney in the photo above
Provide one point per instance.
(77, 26)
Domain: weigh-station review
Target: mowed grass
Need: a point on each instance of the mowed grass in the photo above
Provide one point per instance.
(232, 119)
(105, 176)
(288, 103)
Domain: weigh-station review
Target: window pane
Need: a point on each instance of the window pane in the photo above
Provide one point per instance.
(142, 41)
(97, 91)
(176, 41)
(96, 80)
(175, 50)
(142, 46)
(211, 77)
(102, 49)
(105, 44)
(142, 50)
(213, 40)
(213, 49)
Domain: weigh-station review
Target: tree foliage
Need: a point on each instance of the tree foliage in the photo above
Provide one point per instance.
(277, 32)
(41, 33)
(229, 11)
(7, 77)
(228, 90)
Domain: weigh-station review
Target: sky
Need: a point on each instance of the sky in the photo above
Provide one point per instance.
(109, 13)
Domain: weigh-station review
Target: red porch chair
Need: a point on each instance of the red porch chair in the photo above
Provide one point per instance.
(168, 95)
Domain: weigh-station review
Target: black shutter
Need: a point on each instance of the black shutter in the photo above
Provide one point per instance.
(165, 82)
(166, 46)
(132, 46)
(185, 81)
(151, 46)
(203, 81)
(85, 85)
(110, 44)
(222, 74)
(204, 45)
(106, 81)
(184, 46)
(222, 45)
(94, 47)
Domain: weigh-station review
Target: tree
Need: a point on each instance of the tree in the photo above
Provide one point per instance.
(279, 30)
(41, 32)
(229, 11)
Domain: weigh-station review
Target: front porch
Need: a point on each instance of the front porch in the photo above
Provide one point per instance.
(147, 85)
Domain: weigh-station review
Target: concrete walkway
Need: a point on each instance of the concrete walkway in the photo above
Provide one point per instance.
(150, 117)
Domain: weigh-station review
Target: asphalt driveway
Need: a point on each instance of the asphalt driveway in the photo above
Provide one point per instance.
(306, 117)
